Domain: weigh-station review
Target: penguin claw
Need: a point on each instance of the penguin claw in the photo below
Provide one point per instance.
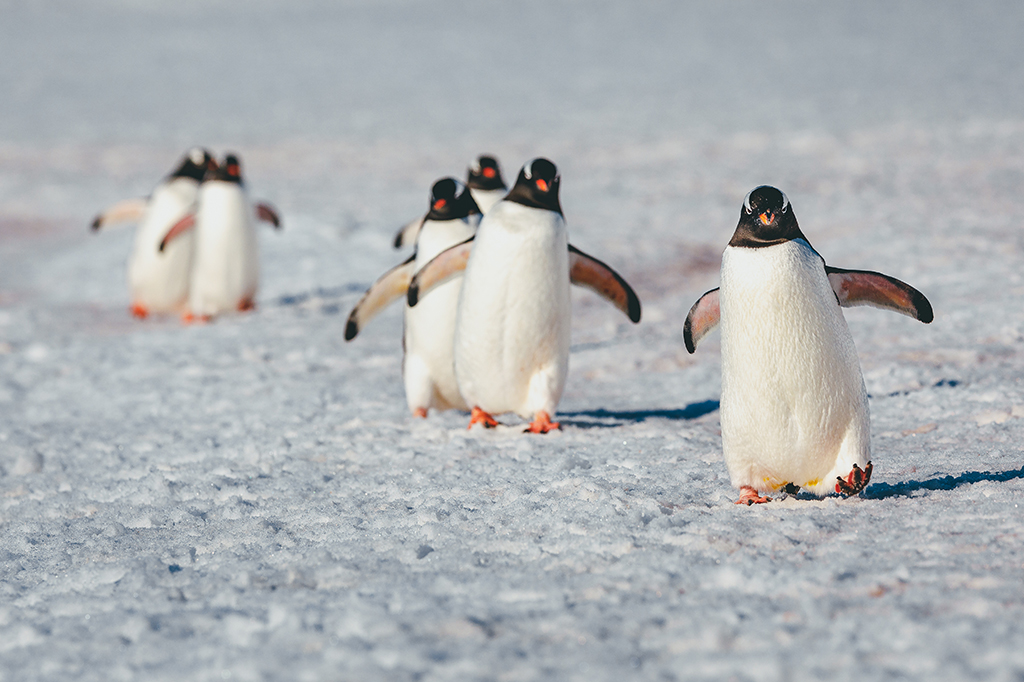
(855, 481)
(478, 416)
(749, 496)
(140, 311)
(542, 424)
(420, 412)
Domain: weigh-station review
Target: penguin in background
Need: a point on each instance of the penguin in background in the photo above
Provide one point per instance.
(226, 270)
(427, 365)
(158, 280)
(485, 182)
(794, 410)
(512, 328)
(485, 185)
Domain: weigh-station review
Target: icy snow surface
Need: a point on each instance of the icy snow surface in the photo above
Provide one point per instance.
(249, 500)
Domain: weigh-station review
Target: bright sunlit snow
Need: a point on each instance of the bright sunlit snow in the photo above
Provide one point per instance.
(250, 500)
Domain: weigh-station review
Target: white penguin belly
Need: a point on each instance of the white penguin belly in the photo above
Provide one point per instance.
(226, 269)
(157, 280)
(794, 408)
(512, 330)
(486, 198)
(428, 366)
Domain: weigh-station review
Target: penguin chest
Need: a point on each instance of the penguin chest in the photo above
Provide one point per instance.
(514, 312)
(486, 198)
(227, 261)
(792, 393)
(159, 280)
(430, 326)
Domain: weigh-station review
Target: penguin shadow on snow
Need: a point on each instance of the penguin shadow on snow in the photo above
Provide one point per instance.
(329, 297)
(601, 418)
(884, 491)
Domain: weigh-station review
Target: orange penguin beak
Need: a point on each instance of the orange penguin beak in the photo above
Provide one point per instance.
(489, 172)
(439, 204)
(767, 217)
(542, 185)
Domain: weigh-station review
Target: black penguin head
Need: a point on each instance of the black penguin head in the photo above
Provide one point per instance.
(230, 170)
(450, 200)
(485, 174)
(766, 218)
(195, 164)
(537, 186)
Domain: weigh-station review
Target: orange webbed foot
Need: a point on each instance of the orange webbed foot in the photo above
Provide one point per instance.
(478, 416)
(542, 423)
(188, 318)
(749, 496)
(140, 311)
(855, 481)
(420, 412)
(246, 304)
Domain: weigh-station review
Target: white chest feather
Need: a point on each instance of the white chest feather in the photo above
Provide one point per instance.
(794, 409)
(513, 321)
(486, 198)
(430, 326)
(226, 270)
(159, 280)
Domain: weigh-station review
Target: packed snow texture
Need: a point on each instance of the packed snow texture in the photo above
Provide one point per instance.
(249, 500)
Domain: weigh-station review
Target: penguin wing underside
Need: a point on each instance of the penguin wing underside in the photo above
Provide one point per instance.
(268, 214)
(178, 228)
(389, 286)
(701, 320)
(126, 211)
(409, 232)
(863, 287)
(587, 271)
(443, 267)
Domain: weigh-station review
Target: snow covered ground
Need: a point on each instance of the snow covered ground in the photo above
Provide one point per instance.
(249, 500)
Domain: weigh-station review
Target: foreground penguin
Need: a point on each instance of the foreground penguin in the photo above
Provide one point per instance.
(513, 324)
(485, 185)
(158, 280)
(427, 366)
(226, 271)
(794, 409)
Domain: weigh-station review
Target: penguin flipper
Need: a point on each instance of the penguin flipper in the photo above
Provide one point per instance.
(389, 286)
(587, 271)
(186, 223)
(440, 269)
(701, 320)
(127, 211)
(863, 287)
(268, 214)
(409, 232)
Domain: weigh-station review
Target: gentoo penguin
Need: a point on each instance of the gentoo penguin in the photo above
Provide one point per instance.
(485, 184)
(513, 324)
(429, 328)
(226, 271)
(794, 409)
(158, 280)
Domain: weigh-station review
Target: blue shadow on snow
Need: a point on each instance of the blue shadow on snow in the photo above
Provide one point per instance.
(692, 411)
(881, 491)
